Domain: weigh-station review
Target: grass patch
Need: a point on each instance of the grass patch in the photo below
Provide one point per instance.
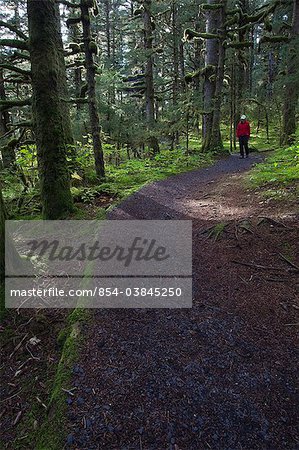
(278, 175)
(131, 175)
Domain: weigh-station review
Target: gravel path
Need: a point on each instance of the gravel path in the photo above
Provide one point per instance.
(220, 375)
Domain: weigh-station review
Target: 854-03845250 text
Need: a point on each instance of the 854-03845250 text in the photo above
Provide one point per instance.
(100, 264)
(99, 291)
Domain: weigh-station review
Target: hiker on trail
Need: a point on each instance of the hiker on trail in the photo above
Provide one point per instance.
(243, 134)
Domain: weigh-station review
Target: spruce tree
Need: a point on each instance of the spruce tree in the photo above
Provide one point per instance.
(50, 109)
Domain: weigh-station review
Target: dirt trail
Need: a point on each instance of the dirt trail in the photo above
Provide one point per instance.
(221, 375)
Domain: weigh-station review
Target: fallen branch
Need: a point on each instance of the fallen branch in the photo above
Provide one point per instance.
(256, 266)
(276, 222)
(12, 396)
(17, 419)
(18, 346)
(289, 261)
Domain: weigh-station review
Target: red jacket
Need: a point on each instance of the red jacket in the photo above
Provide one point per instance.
(243, 129)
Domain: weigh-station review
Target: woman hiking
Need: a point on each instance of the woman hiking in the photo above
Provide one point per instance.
(243, 134)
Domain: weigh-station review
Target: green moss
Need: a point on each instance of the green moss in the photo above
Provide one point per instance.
(211, 7)
(51, 434)
(278, 175)
(93, 48)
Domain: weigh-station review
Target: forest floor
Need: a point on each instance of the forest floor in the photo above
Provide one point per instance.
(218, 376)
(221, 375)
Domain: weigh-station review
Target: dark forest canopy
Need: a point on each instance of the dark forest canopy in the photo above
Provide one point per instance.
(138, 75)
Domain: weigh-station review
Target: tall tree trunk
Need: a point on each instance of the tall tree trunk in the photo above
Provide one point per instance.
(7, 151)
(242, 61)
(149, 76)
(291, 91)
(214, 64)
(110, 47)
(91, 83)
(108, 28)
(216, 140)
(74, 35)
(175, 85)
(175, 39)
(197, 48)
(49, 106)
(2, 237)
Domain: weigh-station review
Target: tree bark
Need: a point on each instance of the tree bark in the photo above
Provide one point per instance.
(214, 64)
(110, 40)
(175, 84)
(242, 65)
(7, 152)
(49, 106)
(92, 101)
(2, 237)
(291, 90)
(74, 34)
(149, 76)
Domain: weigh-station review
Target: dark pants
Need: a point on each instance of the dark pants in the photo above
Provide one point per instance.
(243, 141)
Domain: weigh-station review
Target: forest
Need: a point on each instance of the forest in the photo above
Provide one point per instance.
(130, 109)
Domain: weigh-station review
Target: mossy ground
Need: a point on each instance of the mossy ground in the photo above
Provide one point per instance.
(278, 176)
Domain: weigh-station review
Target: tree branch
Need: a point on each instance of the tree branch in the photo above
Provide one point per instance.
(15, 69)
(69, 4)
(14, 29)
(7, 104)
(191, 34)
(241, 44)
(25, 124)
(20, 55)
(14, 43)
(75, 100)
(17, 80)
(275, 39)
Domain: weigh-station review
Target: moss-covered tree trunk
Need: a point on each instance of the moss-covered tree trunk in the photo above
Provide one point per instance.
(214, 71)
(49, 106)
(7, 151)
(2, 238)
(216, 139)
(89, 50)
(2, 254)
(175, 56)
(149, 75)
(291, 90)
(242, 65)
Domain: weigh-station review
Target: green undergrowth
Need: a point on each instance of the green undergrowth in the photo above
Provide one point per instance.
(122, 179)
(278, 175)
(131, 175)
